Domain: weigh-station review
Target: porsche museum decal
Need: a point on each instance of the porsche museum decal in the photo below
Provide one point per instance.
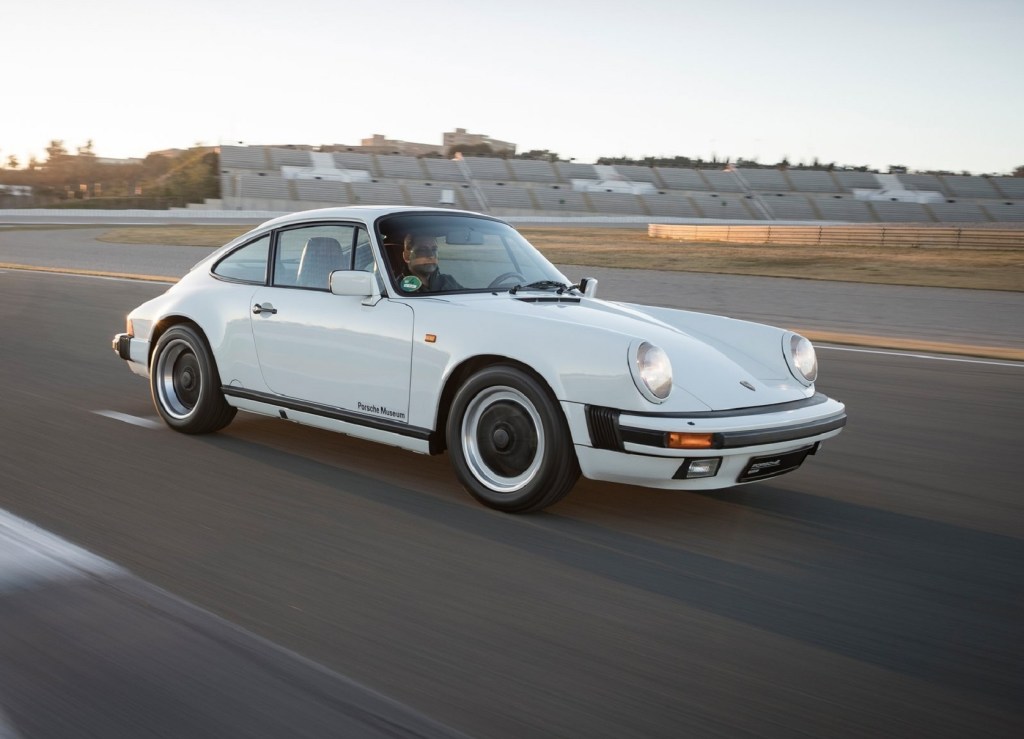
(380, 410)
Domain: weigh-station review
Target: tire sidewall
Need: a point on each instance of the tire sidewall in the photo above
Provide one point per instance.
(210, 411)
(558, 469)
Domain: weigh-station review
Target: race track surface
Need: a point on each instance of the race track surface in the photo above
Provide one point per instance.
(878, 591)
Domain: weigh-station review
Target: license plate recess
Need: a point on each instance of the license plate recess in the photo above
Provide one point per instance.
(771, 465)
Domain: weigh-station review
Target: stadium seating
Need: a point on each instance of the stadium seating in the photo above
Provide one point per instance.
(669, 205)
(443, 170)
(532, 170)
(321, 191)
(266, 186)
(244, 157)
(843, 208)
(682, 179)
(807, 180)
(488, 169)
(377, 193)
(1009, 187)
(569, 171)
(724, 205)
(258, 178)
(290, 158)
(720, 181)
(969, 187)
(924, 182)
(401, 167)
(764, 180)
(958, 212)
(356, 160)
(1005, 212)
(790, 207)
(616, 204)
(432, 195)
(508, 196)
(852, 180)
(562, 200)
(637, 173)
(895, 212)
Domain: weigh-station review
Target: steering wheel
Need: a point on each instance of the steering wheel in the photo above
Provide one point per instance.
(506, 276)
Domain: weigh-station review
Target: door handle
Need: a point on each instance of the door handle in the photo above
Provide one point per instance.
(264, 308)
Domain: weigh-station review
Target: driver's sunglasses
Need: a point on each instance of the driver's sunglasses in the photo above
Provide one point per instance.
(424, 250)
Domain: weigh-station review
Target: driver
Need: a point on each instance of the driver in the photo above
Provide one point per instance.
(422, 273)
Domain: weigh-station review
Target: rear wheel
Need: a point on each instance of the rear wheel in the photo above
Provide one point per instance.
(185, 383)
(509, 442)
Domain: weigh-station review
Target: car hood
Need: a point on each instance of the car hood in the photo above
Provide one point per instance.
(715, 360)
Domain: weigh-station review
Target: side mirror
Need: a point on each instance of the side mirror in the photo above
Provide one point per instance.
(588, 286)
(356, 283)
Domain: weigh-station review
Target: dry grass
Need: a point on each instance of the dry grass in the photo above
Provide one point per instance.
(173, 235)
(630, 248)
(989, 269)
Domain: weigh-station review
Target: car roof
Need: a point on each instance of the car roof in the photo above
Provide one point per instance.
(367, 213)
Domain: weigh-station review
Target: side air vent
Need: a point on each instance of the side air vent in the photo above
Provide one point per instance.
(603, 425)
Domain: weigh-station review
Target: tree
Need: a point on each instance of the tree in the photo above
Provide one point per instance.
(1019, 172)
(12, 162)
(56, 151)
(195, 177)
(541, 154)
(472, 150)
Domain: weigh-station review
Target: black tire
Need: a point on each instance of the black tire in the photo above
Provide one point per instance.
(185, 384)
(509, 443)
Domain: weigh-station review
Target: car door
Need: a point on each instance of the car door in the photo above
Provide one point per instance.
(328, 349)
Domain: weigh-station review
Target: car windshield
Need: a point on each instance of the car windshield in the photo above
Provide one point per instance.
(441, 253)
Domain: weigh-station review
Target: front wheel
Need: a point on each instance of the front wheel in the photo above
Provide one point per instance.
(185, 384)
(509, 443)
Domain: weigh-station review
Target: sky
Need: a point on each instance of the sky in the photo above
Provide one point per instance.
(927, 84)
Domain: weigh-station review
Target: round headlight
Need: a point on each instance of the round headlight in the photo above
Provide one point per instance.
(803, 362)
(652, 372)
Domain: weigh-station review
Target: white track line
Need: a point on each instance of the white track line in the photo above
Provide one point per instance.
(29, 554)
(6, 729)
(1019, 365)
(147, 423)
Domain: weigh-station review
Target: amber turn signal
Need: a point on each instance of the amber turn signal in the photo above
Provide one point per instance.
(680, 440)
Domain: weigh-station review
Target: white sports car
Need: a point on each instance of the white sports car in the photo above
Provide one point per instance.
(436, 330)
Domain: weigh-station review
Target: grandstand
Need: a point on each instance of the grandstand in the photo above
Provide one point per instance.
(289, 179)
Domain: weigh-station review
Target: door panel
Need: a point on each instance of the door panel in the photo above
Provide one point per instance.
(334, 350)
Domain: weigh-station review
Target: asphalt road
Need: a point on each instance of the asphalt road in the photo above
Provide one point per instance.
(878, 591)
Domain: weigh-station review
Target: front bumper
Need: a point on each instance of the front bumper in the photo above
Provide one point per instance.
(122, 346)
(750, 444)
(134, 351)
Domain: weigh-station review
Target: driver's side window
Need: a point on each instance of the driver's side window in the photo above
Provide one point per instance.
(305, 257)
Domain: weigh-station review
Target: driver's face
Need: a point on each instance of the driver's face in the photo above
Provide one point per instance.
(421, 256)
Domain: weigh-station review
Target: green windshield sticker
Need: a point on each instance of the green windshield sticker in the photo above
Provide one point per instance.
(411, 283)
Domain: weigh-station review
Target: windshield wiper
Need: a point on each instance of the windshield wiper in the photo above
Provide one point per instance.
(561, 287)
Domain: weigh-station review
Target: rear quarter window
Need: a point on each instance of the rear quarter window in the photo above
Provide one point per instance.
(246, 264)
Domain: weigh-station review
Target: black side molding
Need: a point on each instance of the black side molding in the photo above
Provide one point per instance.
(327, 411)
